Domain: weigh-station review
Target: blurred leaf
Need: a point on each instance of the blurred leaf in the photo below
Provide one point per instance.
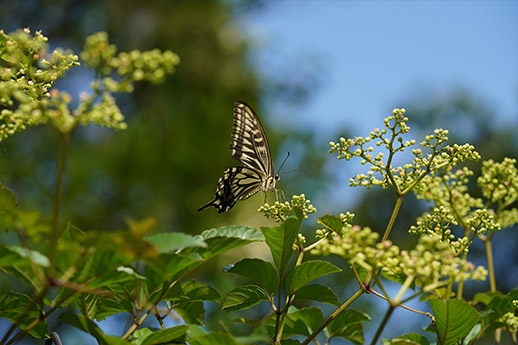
(12, 306)
(191, 290)
(280, 239)
(244, 297)
(112, 305)
(175, 266)
(319, 293)
(347, 325)
(454, 319)
(214, 338)
(192, 313)
(260, 271)
(147, 336)
(170, 241)
(407, 339)
(307, 272)
(88, 326)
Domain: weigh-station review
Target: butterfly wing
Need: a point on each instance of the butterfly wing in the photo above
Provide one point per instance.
(237, 183)
(249, 144)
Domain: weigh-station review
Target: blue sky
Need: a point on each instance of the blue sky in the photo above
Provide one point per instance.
(371, 55)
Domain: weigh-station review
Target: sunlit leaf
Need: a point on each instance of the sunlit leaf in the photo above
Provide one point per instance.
(454, 319)
(280, 239)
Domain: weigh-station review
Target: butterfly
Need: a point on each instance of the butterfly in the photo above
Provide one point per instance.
(250, 147)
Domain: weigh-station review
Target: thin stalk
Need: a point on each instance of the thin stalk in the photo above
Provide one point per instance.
(490, 265)
(393, 217)
(54, 233)
(383, 324)
(332, 317)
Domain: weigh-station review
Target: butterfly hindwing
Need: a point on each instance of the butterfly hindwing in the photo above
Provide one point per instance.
(237, 183)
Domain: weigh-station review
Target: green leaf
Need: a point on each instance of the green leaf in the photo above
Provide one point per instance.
(170, 241)
(244, 297)
(30, 256)
(213, 338)
(331, 222)
(280, 239)
(193, 313)
(191, 290)
(223, 239)
(174, 334)
(473, 334)
(407, 339)
(307, 272)
(319, 293)
(486, 297)
(454, 319)
(260, 271)
(88, 326)
(347, 325)
(12, 306)
(311, 318)
(110, 306)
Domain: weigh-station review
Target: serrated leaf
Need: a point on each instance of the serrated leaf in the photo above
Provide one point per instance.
(319, 293)
(307, 272)
(12, 306)
(280, 239)
(223, 239)
(173, 334)
(167, 242)
(244, 297)
(454, 319)
(260, 271)
(88, 326)
(331, 222)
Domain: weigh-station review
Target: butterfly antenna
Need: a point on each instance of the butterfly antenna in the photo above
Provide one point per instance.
(284, 161)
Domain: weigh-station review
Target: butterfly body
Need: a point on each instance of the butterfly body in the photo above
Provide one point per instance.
(250, 147)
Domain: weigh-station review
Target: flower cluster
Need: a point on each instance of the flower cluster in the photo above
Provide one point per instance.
(26, 78)
(280, 211)
(152, 66)
(431, 264)
(402, 178)
(29, 72)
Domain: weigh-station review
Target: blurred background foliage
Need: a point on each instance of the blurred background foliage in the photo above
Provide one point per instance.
(167, 163)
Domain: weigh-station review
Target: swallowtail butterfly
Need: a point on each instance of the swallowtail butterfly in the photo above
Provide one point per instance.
(250, 147)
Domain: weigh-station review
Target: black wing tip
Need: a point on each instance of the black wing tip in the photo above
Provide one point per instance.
(211, 203)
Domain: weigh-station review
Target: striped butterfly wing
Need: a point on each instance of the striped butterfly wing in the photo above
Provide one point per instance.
(237, 183)
(250, 147)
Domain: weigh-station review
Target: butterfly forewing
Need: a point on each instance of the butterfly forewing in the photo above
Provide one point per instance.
(250, 147)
